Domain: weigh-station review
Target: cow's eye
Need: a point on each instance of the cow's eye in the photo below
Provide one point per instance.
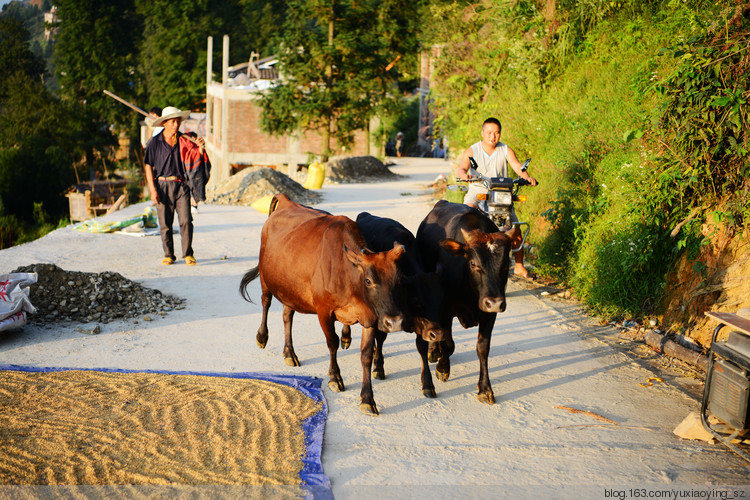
(368, 282)
(473, 264)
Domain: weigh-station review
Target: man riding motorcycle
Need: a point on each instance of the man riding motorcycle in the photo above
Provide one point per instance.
(492, 158)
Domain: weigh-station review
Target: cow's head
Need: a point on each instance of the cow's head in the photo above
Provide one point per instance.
(487, 258)
(424, 298)
(380, 280)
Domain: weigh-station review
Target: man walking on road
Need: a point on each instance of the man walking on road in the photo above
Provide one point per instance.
(168, 183)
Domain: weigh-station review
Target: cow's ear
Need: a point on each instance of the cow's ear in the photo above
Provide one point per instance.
(511, 233)
(354, 257)
(397, 250)
(453, 247)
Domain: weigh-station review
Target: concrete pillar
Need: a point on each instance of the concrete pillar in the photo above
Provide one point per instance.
(209, 79)
(225, 110)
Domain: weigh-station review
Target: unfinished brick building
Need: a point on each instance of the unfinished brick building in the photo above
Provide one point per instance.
(233, 134)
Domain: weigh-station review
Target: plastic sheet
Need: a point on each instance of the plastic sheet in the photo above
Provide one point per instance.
(148, 219)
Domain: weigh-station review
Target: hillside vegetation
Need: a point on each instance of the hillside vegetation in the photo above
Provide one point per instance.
(635, 114)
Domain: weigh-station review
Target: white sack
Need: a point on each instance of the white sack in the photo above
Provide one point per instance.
(14, 300)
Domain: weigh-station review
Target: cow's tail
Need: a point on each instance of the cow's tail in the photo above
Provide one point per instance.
(246, 279)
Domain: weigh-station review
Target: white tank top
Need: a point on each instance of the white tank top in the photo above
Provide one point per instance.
(494, 165)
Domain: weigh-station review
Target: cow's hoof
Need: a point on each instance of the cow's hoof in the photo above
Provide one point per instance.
(433, 356)
(486, 398)
(369, 409)
(378, 374)
(291, 361)
(336, 385)
(261, 341)
(429, 393)
(346, 342)
(442, 376)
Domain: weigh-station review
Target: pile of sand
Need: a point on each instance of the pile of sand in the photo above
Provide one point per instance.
(253, 183)
(357, 169)
(88, 427)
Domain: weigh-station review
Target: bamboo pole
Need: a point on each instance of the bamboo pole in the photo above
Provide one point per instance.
(126, 103)
(136, 108)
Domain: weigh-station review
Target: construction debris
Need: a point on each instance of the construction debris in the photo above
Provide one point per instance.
(251, 184)
(357, 169)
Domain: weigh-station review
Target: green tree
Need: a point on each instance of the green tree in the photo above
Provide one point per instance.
(96, 51)
(36, 150)
(252, 26)
(336, 63)
(15, 56)
(173, 50)
(377, 39)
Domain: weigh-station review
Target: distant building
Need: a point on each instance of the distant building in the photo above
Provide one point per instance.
(232, 122)
(50, 23)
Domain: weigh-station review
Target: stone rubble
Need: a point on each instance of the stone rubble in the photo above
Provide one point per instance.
(71, 296)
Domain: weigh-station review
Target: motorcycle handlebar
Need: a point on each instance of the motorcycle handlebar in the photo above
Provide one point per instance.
(475, 176)
(479, 178)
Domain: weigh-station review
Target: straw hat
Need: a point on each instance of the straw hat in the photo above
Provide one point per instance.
(168, 113)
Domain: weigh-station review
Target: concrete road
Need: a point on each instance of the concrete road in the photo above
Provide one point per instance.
(542, 357)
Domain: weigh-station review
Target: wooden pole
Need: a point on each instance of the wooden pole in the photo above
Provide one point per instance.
(126, 103)
(136, 108)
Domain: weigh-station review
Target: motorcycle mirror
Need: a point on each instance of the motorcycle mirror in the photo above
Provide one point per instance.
(525, 165)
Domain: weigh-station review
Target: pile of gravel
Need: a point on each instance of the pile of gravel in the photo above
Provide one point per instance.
(357, 169)
(253, 183)
(71, 296)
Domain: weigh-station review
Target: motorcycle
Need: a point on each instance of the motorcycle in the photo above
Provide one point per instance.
(497, 203)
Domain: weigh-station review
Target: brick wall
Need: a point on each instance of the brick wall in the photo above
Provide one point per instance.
(245, 134)
(247, 144)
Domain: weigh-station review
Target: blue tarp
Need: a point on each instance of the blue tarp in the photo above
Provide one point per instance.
(312, 476)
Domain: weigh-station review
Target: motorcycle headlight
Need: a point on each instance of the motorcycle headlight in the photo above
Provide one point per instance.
(500, 198)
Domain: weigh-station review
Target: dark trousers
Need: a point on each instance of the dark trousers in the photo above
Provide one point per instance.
(175, 197)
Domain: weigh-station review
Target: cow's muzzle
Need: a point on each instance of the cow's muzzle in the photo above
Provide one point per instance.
(492, 304)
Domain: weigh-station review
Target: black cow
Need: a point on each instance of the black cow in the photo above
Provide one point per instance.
(474, 256)
(420, 294)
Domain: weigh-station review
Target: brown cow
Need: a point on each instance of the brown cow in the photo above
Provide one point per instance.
(317, 263)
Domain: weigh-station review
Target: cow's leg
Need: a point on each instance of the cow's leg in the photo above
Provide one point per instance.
(290, 358)
(327, 323)
(443, 368)
(486, 324)
(346, 336)
(433, 353)
(366, 397)
(379, 370)
(265, 299)
(428, 388)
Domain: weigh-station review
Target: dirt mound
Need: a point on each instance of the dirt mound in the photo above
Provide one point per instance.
(357, 169)
(716, 281)
(254, 183)
(69, 296)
